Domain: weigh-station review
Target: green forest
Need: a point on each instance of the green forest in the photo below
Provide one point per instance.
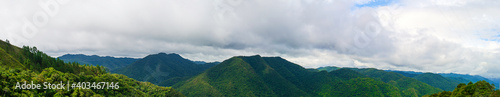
(478, 89)
(235, 77)
(275, 76)
(29, 64)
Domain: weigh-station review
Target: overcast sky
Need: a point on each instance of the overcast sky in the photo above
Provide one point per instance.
(460, 36)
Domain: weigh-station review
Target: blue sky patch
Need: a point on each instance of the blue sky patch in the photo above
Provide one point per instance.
(376, 3)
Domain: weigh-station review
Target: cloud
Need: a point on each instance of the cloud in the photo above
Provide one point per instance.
(424, 35)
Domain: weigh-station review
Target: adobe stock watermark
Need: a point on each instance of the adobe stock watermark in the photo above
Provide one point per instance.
(30, 26)
(365, 34)
(225, 9)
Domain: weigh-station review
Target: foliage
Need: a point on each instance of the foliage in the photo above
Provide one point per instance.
(274, 76)
(163, 69)
(328, 68)
(29, 64)
(478, 89)
(437, 81)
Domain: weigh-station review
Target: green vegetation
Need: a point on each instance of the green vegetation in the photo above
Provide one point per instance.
(274, 76)
(437, 81)
(450, 79)
(163, 69)
(328, 68)
(111, 63)
(478, 89)
(410, 87)
(29, 64)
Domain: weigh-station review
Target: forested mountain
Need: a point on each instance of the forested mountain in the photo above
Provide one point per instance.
(437, 81)
(111, 63)
(449, 78)
(163, 69)
(31, 65)
(409, 86)
(275, 76)
(237, 76)
(328, 68)
(478, 89)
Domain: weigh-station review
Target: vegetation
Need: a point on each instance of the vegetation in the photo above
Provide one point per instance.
(29, 64)
(478, 89)
(111, 63)
(409, 87)
(328, 68)
(437, 81)
(163, 69)
(274, 76)
(448, 78)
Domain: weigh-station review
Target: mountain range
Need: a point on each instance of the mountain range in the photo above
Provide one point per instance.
(163, 69)
(111, 63)
(450, 78)
(275, 76)
(29, 65)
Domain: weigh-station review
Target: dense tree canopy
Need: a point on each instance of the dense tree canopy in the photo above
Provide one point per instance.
(478, 89)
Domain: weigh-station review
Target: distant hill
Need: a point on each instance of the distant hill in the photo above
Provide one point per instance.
(451, 77)
(275, 76)
(438, 81)
(328, 68)
(110, 63)
(408, 86)
(163, 69)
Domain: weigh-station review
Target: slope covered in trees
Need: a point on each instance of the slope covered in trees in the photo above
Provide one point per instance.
(111, 63)
(29, 64)
(275, 76)
(437, 81)
(445, 81)
(163, 69)
(408, 86)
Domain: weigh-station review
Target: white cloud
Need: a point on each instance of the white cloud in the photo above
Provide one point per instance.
(423, 35)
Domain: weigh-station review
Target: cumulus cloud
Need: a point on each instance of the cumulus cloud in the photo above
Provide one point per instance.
(425, 35)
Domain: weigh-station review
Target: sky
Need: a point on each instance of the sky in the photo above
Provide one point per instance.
(441, 36)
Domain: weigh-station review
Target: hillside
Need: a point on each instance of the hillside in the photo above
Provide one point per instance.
(478, 89)
(437, 81)
(163, 69)
(29, 64)
(408, 86)
(328, 68)
(111, 63)
(275, 76)
(448, 78)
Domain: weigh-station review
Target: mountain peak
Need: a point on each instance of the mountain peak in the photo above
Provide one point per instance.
(174, 55)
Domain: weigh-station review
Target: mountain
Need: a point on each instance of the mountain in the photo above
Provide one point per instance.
(449, 78)
(478, 89)
(328, 68)
(27, 64)
(437, 81)
(275, 76)
(110, 63)
(473, 78)
(408, 86)
(163, 69)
